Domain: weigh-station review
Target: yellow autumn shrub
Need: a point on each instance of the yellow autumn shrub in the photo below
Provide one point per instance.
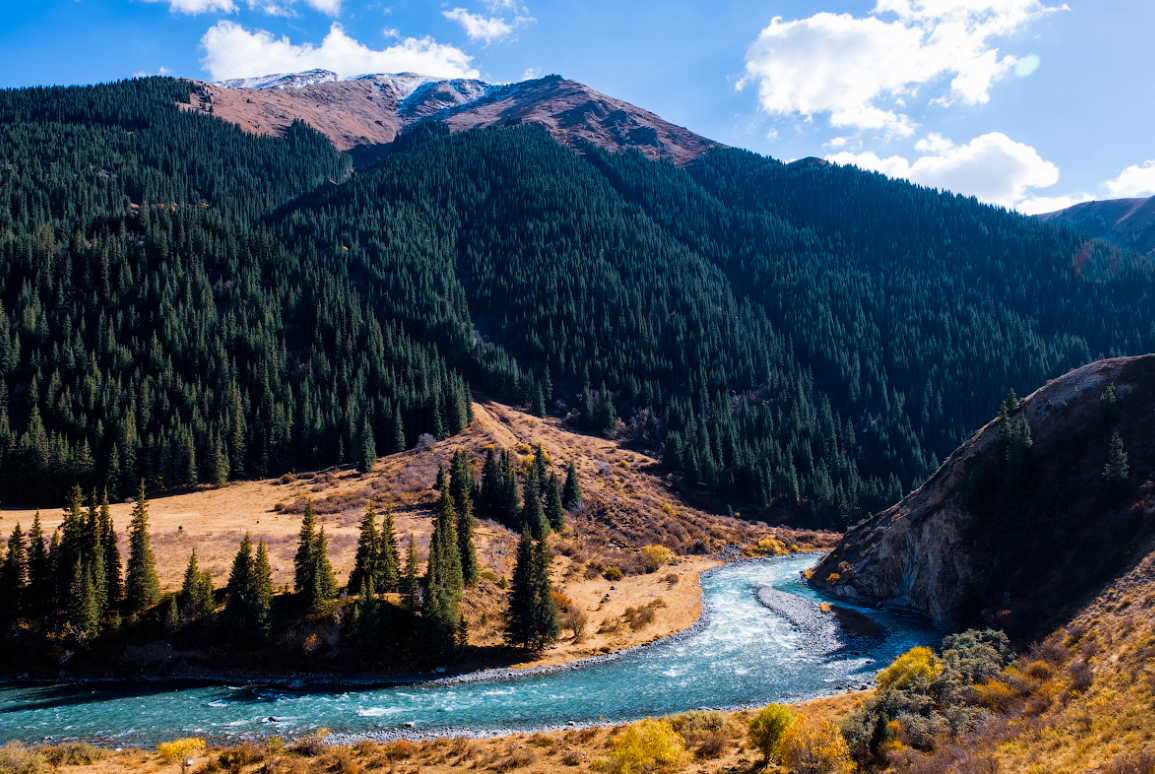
(916, 663)
(815, 747)
(646, 746)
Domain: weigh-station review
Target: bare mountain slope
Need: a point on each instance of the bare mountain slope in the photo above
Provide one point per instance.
(1018, 540)
(373, 109)
(1129, 222)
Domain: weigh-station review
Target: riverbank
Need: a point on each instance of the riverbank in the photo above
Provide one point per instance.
(715, 741)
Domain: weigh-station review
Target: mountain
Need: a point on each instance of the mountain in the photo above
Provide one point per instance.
(1128, 222)
(1023, 523)
(185, 301)
(371, 110)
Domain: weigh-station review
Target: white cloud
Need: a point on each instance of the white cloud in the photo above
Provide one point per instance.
(1036, 205)
(1135, 181)
(488, 29)
(231, 51)
(994, 168)
(860, 70)
(198, 6)
(503, 6)
(330, 7)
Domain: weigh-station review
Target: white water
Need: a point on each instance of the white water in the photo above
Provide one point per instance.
(741, 654)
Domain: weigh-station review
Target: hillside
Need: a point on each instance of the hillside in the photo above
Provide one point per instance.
(626, 505)
(1128, 222)
(373, 110)
(188, 302)
(1025, 522)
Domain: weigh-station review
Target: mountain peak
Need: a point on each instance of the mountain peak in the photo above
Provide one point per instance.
(363, 111)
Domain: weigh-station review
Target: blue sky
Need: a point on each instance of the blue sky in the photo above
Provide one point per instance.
(1031, 104)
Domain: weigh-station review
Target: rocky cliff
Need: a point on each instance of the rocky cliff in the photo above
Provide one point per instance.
(1015, 529)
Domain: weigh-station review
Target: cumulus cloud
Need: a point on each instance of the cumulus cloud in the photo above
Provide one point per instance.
(1036, 205)
(231, 51)
(1135, 181)
(485, 28)
(994, 168)
(271, 7)
(860, 71)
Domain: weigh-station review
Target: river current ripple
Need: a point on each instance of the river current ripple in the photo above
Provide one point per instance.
(741, 654)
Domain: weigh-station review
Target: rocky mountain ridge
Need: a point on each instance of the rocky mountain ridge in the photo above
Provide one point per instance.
(1016, 539)
(371, 110)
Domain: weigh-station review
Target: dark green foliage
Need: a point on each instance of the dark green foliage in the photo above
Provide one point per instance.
(462, 485)
(322, 588)
(303, 561)
(410, 579)
(13, 578)
(113, 584)
(572, 494)
(532, 621)
(390, 559)
(39, 595)
(367, 564)
(83, 609)
(141, 587)
(368, 618)
(554, 510)
(465, 547)
(1117, 471)
(367, 448)
(249, 596)
(532, 511)
(441, 609)
(196, 592)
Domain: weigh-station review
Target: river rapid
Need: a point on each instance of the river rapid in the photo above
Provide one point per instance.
(742, 653)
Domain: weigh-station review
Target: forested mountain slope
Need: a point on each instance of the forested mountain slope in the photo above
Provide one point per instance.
(185, 301)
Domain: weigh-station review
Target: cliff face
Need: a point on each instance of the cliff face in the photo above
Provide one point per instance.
(1015, 538)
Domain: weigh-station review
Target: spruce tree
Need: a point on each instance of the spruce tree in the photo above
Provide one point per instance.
(462, 485)
(367, 456)
(38, 594)
(304, 562)
(572, 494)
(113, 584)
(1117, 471)
(465, 548)
(519, 620)
(487, 493)
(444, 549)
(13, 578)
(196, 592)
(410, 580)
(390, 560)
(367, 563)
(172, 614)
(83, 610)
(263, 592)
(249, 596)
(508, 509)
(532, 512)
(368, 619)
(554, 510)
(142, 589)
(546, 627)
(324, 582)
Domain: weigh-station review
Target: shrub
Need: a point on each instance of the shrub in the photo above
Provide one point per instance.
(646, 745)
(313, 744)
(235, 759)
(74, 754)
(768, 727)
(613, 573)
(814, 747)
(767, 546)
(654, 557)
(181, 751)
(917, 664)
(15, 758)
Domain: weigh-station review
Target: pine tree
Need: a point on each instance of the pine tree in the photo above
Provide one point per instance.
(304, 562)
(390, 560)
(83, 610)
(398, 430)
(38, 594)
(368, 561)
(249, 596)
(546, 627)
(532, 512)
(508, 509)
(410, 583)
(368, 619)
(465, 548)
(13, 578)
(487, 495)
(532, 622)
(142, 588)
(1117, 471)
(554, 510)
(461, 483)
(324, 582)
(572, 494)
(113, 584)
(444, 550)
(196, 592)
(263, 592)
(172, 614)
(367, 457)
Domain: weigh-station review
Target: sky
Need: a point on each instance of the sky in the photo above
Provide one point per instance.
(1029, 104)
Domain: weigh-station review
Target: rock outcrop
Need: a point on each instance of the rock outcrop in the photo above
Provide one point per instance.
(985, 542)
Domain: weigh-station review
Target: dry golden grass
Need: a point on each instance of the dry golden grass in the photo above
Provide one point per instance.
(627, 507)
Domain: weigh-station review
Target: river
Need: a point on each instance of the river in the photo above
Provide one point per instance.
(741, 654)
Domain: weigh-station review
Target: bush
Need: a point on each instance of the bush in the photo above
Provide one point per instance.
(613, 573)
(15, 758)
(814, 747)
(646, 746)
(74, 754)
(181, 751)
(917, 664)
(654, 557)
(313, 744)
(245, 754)
(768, 728)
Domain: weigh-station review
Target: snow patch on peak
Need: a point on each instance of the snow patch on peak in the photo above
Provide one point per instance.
(281, 80)
(401, 84)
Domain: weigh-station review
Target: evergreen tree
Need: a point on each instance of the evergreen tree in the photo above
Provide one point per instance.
(1117, 471)
(532, 622)
(38, 593)
(462, 485)
(465, 547)
(142, 588)
(113, 584)
(390, 559)
(171, 614)
(13, 578)
(367, 456)
(487, 494)
(368, 619)
(554, 510)
(410, 583)
(304, 561)
(572, 494)
(83, 609)
(368, 561)
(196, 592)
(324, 583)
(441, 609)
(263, 592)
(249, 596)
(532, 512)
